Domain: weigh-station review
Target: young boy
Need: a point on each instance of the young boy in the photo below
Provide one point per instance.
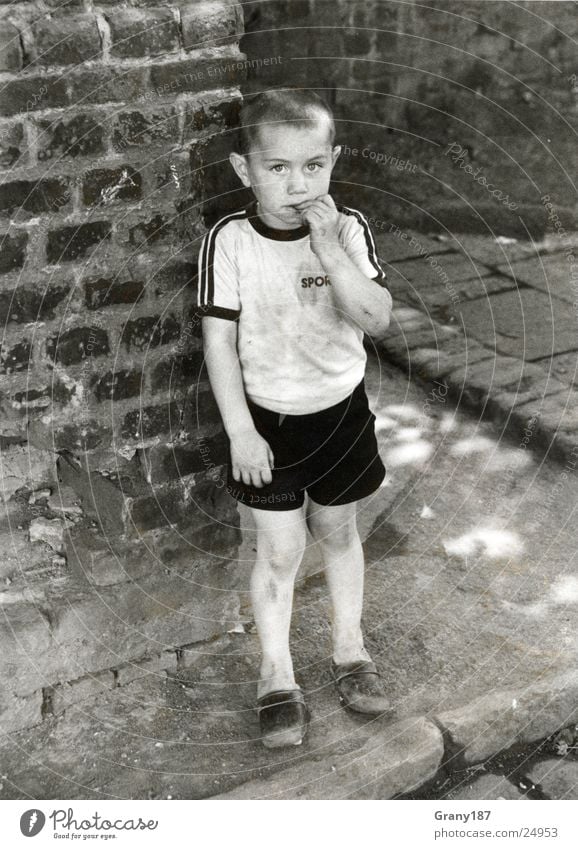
(287, 288)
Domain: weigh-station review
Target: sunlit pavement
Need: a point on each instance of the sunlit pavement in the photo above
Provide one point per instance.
(470, 614)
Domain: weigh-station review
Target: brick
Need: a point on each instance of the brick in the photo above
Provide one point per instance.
(29, 93)
(11, 144)
(66, 40)
(106, 292)
(26, 304)
(172, 277)
(174, 611)
(436, 362)
(200, 117)
(79, 437)
(148, 332)
(195, 75)
(357, 41)
(157, 665)
(149, 33)
(19, 712)
(12, 251)
(102, 561)
(521, 323)
(130, 129)
(171, 614)
(114, 386)
(103, 185)
(219, 186)
(63, 696)
(69, 243)
(77, 344)
(26, 465)
(200, 410)
(147, 232)
(104, 85)
(151, 421)
(56, 393)
(165, 507)
(23, 631)
(177, 373)
(16, 358)
(33, 196)
(60, 138)
(10, 50)
(162, 463)
(63, 5)
(210, 23)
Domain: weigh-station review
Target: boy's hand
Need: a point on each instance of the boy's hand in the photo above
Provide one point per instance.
(322, 217)
(251, 458)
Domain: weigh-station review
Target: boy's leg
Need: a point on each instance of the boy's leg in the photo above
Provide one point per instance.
(335, 530)
(280, 546)
(358, 681)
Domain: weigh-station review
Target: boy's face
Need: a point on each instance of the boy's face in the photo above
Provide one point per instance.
(286, 168)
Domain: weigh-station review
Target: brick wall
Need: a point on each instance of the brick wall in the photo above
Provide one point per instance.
(117, 533)
(408, 79)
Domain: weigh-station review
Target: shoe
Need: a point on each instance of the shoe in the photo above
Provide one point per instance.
(360, 687)
(283, 718)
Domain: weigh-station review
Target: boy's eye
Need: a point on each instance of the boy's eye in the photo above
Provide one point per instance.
(277, 168)
(313, 166)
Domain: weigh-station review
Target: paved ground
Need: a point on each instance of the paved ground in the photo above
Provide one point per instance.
(471, 613)
(497, 321)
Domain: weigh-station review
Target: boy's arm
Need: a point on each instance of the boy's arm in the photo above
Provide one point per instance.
(364, 302)
(251, 456)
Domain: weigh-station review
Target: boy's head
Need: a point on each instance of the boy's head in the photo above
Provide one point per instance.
(286, 152)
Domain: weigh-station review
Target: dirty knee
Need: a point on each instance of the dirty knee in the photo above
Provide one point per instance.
(281, 565)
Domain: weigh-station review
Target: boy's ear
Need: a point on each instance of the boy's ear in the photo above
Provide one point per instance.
(335, 154)
(239, 164)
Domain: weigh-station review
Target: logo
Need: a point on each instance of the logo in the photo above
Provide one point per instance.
(32, 822)
(308, 282)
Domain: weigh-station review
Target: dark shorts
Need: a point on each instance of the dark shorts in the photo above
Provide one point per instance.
(332, 454)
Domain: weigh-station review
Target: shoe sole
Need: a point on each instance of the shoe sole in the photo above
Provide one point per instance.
(282, 739)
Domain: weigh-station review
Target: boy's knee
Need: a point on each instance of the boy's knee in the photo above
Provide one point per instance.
(284, 554)
(331, 534)
(282, 563)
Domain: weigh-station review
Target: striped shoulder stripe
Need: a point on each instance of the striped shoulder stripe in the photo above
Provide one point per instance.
(371, 249)
(206, 291)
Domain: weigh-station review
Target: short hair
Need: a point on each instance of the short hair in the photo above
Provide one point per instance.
(294, 106)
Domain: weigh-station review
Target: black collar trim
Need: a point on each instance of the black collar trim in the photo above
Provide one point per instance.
(272, 232)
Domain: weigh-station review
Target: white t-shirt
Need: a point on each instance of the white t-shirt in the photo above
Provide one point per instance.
(298, 352)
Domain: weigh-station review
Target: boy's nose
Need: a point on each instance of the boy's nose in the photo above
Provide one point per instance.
(296, 186)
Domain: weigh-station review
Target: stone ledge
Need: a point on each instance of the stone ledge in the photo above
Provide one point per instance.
(500, 719)
(396, 759)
